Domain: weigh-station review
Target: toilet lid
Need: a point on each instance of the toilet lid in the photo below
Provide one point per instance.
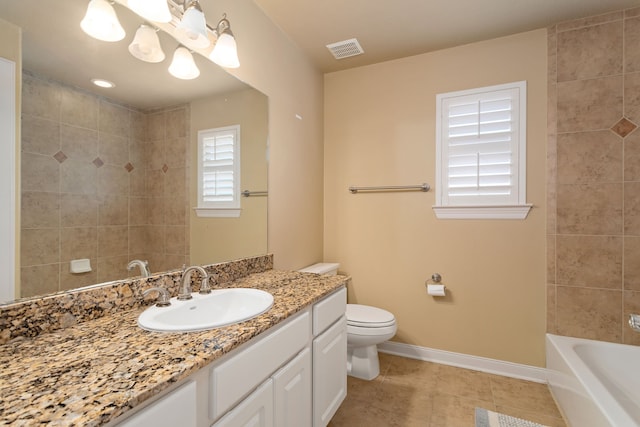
(368, 317)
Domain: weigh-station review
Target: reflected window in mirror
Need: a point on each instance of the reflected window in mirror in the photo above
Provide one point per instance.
(219, 172)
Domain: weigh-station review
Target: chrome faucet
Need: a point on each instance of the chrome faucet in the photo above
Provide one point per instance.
(144, 267)
(185, 289)
(163, 296)
(634, 322)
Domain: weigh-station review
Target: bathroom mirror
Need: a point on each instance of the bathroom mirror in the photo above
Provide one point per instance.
(122, 160)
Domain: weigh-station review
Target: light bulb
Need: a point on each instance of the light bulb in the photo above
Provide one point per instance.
(183, 65)
(101, 22)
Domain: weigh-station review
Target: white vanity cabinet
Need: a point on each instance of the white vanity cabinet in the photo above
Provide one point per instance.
(293, 375)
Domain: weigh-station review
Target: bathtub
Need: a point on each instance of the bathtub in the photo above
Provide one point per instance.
(595, 383)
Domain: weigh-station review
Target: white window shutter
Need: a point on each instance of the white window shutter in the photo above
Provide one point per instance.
(481, 144)
(219, 168)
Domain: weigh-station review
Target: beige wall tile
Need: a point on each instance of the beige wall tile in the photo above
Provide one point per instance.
(113, 242)
(176, 123)
(39, 246)
(154, 183)
(589, 52)
(175, 182)
(154, 155)
(175, 239)
(632, 45)
(39, 173)
(138, 239)
(156, 238)
(114, 149)
(551, 258)
(79, 109)
(155, 210)
(78, 243)
(138, 125)
(591, 20)
(112, 268)
(175, 211)
(78, 177)
(632, 157)
(589, 261)
(590, 209)
(589, 313)
(40, 210)
(39, 136)
(40, 98)
(632, 208)
(113, 210)
(551, 309)
(114, 119)
(632, 97)
(632, 263)
(113, 180)
(78, 210)
(70, 280)
(79, 143)
(589, 104)
(137, 183)
(631, 306)
(589, 157)
(39, 280)
(176, 151)
(156, 126)
(137, 211)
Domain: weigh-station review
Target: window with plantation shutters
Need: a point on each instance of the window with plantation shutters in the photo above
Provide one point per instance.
(219, 172)
(481, 153)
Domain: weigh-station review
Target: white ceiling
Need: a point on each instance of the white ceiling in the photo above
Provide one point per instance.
(395, 29)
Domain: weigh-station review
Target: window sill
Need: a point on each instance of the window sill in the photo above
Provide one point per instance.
(217, 213)
(482, 212)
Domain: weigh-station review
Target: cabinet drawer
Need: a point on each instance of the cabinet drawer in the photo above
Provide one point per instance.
(329, 310)
(233, 379)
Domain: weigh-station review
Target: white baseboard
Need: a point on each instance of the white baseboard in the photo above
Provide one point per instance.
(477, 363)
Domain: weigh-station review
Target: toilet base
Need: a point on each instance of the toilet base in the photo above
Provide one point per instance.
(362, 362)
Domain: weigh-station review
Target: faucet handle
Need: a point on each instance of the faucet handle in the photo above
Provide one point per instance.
(634, 322)
(204, 286)
(163, 296)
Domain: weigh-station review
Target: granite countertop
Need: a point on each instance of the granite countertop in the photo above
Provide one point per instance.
(92, 372)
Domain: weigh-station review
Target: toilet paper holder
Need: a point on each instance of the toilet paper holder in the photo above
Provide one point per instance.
(436, 289)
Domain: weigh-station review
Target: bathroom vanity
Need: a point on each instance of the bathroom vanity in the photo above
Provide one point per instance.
(286, 367)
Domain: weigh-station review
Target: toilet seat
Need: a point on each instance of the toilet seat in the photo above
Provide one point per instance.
(364, 316)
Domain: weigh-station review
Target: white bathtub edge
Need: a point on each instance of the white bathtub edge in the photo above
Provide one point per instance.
(476, 363)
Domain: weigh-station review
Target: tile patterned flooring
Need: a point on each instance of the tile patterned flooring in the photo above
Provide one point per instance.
(410, 393)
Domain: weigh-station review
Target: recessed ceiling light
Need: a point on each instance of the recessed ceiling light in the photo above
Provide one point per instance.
(103, 83)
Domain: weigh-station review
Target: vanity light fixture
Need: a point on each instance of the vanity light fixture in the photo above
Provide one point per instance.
(101, 22)
(192, 29)
(103, 83)
(183, 66)
(225, 51)
(146, 45)
(152, 10)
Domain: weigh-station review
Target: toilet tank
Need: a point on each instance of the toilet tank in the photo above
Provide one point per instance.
(328, 268)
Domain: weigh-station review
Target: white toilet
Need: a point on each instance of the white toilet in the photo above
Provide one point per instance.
(366, 328)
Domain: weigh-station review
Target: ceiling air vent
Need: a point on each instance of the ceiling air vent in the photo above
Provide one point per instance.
(345, 48)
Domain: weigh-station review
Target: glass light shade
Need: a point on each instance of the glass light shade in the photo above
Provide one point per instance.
(192, 29)
(146, 46)
(153, 10)
(101, 22)
(225, 52)
(183, 65)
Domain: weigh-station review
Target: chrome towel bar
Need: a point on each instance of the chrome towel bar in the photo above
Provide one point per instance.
(421, 187)
(247, 193)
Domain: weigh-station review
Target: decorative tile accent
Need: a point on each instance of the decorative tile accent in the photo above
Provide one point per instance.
(60, 156)
(128, 167)
(624, 127)
(98, 162)
(165, 168)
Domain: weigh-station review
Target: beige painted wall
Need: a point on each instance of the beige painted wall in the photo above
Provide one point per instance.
(11, 48)
(380, 130)
(221, 239)
(272, 64)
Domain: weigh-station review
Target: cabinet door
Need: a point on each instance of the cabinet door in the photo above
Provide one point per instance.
(292, 392)
(177, 408)
(254, 411)
(329, 372)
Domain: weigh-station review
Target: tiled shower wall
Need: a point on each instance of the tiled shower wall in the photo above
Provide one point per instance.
(594, 177)
(100, 181)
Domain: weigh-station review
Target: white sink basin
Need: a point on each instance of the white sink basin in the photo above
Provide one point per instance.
(221, 307)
